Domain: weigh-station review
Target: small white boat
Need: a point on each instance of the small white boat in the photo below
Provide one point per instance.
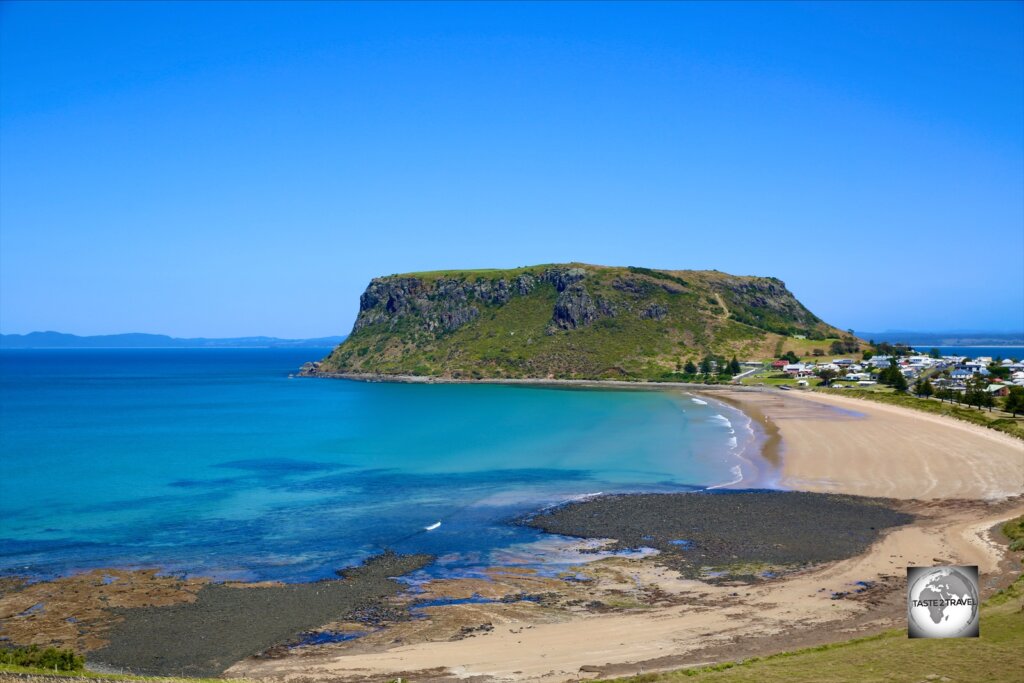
(432, 526)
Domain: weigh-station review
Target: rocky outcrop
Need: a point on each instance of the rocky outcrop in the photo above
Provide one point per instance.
(654, 312)
(311, 369)
(443, 306)
(763, 302)
(446, 304)
(574, 308)
(562, 278)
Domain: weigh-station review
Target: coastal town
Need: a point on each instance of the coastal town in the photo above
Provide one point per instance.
(989, 382)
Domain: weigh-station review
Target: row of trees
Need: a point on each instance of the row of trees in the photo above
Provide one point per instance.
(712, 366)
(974, 396)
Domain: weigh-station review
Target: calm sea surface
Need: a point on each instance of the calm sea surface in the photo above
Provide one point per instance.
(1015, 352)
(214, 462)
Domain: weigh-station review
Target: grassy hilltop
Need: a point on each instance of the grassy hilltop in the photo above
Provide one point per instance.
(570, 321)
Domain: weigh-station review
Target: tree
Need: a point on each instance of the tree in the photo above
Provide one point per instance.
(827, 375)
(899, 382)
(923, 387)
(734, 366)
(1014, 402)
(934, 353)
(705, 365)
(997, 371)
(791, 357)
(690, 368)
(888, 375)
(893, 376)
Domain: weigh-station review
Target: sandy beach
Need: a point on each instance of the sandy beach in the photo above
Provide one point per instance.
(960, 482)
(837, 444)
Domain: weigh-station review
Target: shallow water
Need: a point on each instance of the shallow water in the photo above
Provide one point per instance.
(215, 462)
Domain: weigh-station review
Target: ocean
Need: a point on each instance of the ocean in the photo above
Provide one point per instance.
(1015, 352)
(214, 462)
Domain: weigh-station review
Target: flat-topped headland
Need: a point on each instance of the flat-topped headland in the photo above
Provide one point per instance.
(570, 321)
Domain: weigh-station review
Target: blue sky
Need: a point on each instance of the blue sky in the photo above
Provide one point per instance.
(234, 169)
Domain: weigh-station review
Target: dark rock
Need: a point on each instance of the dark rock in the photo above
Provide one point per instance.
(226, 624)
(729, 529)
(524, 284)
(654, 312)
(562, 278)
(311, 369)
(607, 308)
(574, 308)
(632, 286)
(443, 308)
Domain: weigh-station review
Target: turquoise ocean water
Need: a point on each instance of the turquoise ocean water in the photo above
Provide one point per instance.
(215, 462)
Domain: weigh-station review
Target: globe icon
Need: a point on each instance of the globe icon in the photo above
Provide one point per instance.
(943, 603)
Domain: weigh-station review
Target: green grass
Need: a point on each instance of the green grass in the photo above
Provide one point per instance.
(993, 420)
(1014, 531)
(33, 671)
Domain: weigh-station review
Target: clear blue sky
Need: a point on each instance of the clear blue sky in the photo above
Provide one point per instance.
(234, 169)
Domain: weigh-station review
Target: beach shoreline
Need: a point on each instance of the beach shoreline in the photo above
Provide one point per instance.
(648, 617)
(837, 444)
(860, 447)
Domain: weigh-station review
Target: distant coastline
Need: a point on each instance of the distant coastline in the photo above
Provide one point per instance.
(950, 338)
(138, 340)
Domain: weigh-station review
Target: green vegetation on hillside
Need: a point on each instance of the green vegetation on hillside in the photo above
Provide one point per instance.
(571, 321)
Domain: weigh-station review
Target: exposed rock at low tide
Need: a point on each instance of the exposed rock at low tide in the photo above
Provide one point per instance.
(694, 531)
(226, 623)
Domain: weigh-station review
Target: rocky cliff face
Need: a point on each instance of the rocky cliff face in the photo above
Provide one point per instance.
(564, 320)
(446, 304)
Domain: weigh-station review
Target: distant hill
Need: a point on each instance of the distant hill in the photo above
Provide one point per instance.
(572, 321)
(952, 338)
(135, 340)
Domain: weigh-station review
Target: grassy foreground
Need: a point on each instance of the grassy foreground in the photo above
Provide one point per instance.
(24, 674)
(1002, 422)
